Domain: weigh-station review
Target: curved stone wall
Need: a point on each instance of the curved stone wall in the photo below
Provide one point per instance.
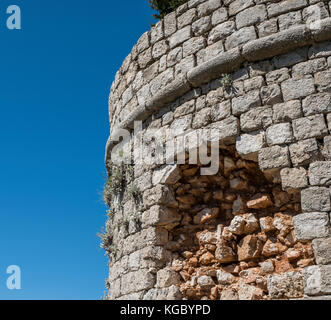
(257, 72)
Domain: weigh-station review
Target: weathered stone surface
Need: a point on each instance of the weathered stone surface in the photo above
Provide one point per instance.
(310, 127)
(160, 194)
(219, 16)
(170, 24)
(287, 111)
(323, 81)
(311, 225)
(228, 129)
(293, 89)
(251, 16)
(318, 103)
(186, 18)
(309, 68)
(320, 173)
(248, 145)
(239, 5)
(274, 157)
(294, 178)
(286, 285)
(255, 119)
(304, 152)
(249, 247)
(277, 44)
(160, 216)
(240, 37)
(221, 110)
(317, 280)
(208, 7)
(289, 20)
(167, 174)
(166, 278)
(201, 26)
(267, 28)
(180, 36)
(327, 148)
(193, 45)
(271, 94)
(316, 199)
(277, 76)
(221, 31)
(137, 281)
(244, 103)
(322, 250)
(275, 9)
(279, 134)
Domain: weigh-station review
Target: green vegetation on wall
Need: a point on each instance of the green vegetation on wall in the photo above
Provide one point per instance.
(163, 7)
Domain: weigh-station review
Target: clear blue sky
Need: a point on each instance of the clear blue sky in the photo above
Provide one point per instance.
(54, 83)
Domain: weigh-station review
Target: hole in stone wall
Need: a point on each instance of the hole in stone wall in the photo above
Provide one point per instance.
(236, 229)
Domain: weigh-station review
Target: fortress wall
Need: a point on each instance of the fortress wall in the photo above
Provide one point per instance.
(259, 228)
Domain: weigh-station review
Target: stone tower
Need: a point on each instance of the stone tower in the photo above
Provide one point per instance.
(253, 78)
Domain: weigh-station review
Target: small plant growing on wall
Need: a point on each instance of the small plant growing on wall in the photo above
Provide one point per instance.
(120, 180)
(163, 7)
(226, 81)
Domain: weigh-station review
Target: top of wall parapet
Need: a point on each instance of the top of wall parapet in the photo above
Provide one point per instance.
(203, 39)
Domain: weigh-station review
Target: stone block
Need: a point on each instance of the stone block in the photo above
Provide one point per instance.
(210, 52)
(136, 281)
(322, 250)
(308, 226)
(277, 76)
(180, 36)
(221, 31)
(309, 68)
(193, 45)
(271, 94)
(287, 111)
(170, 24)
(201, 26)
(255, 119)
(293, 178)
(323, 81)
(279, 134)
(267, 28)
(246, 102)
(315, 199)
(219, 16)
(320, 173)
(289, 20)
(166, 278)
(304, 152)
(186, 18)
(274, 157)
(251, 16)
(239, 5)
(310, 127)
(317, 280)
(275, 9)
(240, 37)
(297, 88)
(161, 216)
(317, 103)
(248, 145)
(157, 32)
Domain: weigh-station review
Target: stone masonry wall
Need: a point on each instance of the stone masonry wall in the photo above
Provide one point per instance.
(260, 227)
